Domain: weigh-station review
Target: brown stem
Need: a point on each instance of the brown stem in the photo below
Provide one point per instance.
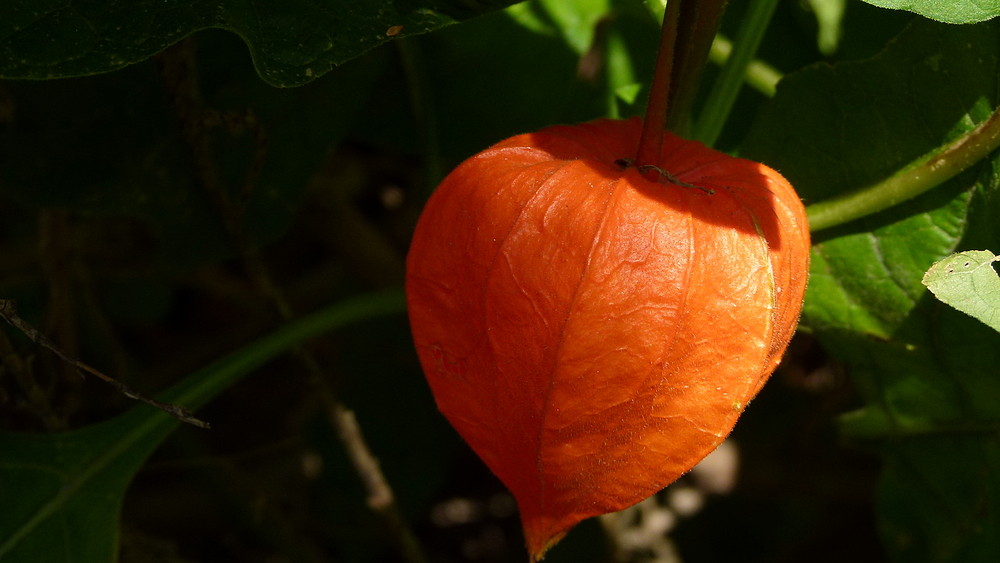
(699, 22)
(651, 142)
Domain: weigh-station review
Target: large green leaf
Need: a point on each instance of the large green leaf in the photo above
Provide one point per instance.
(927, 373)
(292, 41)
(949, 11)
(62, 493)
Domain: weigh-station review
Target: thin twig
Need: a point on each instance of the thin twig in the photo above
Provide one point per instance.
(8, 310)
(36, 400)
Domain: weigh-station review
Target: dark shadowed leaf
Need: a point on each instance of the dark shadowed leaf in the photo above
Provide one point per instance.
(292, 42)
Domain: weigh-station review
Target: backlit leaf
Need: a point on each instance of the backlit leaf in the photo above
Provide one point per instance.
(968, 282)
(949, 11)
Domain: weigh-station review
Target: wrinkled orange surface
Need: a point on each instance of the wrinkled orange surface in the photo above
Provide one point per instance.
(591, 333)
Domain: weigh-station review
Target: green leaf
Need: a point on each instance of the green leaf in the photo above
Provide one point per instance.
(574, 19)
(948, 11)
(62, 493)
(292, 42)
(926, 373)
(952, 471)
(929, 87)
(835, 128)
(932, 412)
(968, 282)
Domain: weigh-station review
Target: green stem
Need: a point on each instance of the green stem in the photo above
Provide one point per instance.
(727, 85)
(921, 175)
(760, 76)
(204, 385)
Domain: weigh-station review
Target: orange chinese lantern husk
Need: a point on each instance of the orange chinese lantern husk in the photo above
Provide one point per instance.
(591, 330)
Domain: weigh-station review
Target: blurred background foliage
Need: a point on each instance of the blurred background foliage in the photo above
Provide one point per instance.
(129, 201)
